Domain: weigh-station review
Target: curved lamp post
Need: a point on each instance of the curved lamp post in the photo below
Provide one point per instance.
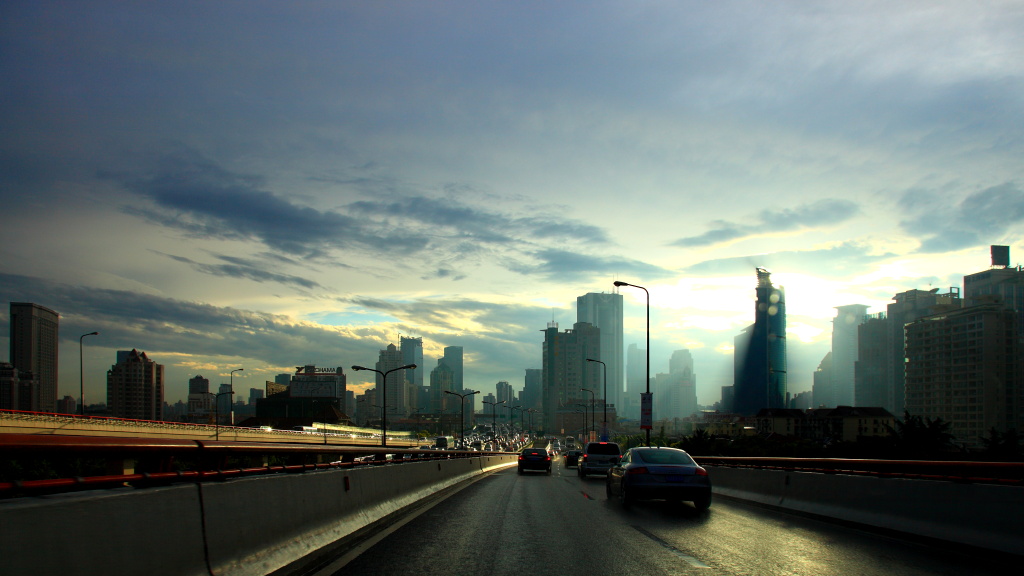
(592, 397)
(604, 423)
(648, 380)
(494, 415)
(384, 396)
(216, 405)
(81, 371)
(462, 428)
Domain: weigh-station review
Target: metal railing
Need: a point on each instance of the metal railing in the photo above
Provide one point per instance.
(1011, 473)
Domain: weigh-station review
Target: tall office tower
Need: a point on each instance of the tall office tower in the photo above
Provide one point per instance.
(681, 395)
(964, 366)
(396, 389)
(135, 388)
(908, 307)
(442, 378)
(504, 392)
(198, 385)
(762, 380)
(412, 353)
(254, 395)
(844, 352)
(224, 399)
(453, 358)
(283, 379)
(822, 394)
(636, 376)
(532, 389)
(604, 311)
(565, 372)
(869, 370)
(34, 351)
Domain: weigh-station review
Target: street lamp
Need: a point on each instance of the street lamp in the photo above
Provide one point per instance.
(216, 405)
(520, 408)
(494, 415)
(619, 283)
(592, 397)
(81, 370)
(233, 394)
(462, 429)
(384, 397)
(604, 424)
(586, 427)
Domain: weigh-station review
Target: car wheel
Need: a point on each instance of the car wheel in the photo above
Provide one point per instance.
(520, 471)
(580, 472)
(624, 496)
(608, 488)
(702, 504)
(549, 470)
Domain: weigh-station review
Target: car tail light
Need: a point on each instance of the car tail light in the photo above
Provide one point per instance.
(638, 470)
(549, 457)
(701, 472)
(520, 456)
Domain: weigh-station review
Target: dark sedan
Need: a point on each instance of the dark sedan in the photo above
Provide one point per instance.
(572, 458)
(535, 459)
(659, 474)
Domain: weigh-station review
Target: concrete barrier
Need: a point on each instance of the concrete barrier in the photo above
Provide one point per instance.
(982, 515)
(241, 527)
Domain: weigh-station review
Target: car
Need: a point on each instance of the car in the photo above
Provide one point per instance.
(597, 458)
(572, 457)
(658, 473)
(534, 459)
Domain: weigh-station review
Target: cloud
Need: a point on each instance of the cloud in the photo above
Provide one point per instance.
(235, 267)
(825, 212)
(569, 267)
(847, 259)
(981, 218)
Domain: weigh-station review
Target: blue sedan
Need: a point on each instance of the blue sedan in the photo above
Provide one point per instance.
(659, 474)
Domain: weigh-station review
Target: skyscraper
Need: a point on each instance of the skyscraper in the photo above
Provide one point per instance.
(762, 380)
(844, 353)
(396, 388)
(34, 352)
(566, 370)
(453, 358)
(135, 388)
(412, 353)
(604, 311)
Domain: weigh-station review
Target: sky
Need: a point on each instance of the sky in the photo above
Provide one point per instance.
(264, 185)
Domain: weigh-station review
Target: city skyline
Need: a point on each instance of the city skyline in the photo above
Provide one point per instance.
(306, 185)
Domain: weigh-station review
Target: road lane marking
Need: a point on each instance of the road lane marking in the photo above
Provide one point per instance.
(684, 556)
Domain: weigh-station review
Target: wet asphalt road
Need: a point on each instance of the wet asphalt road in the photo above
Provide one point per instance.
(538, 525)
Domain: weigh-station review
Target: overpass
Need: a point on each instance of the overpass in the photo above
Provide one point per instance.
(267, 518)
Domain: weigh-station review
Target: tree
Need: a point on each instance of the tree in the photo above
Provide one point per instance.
(917, 437)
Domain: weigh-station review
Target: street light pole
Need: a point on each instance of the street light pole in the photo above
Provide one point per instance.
(81, 371)
(604, 423)
(462, 429)
(384, 397)
(648, 380)
(592, 397)
(232, 385)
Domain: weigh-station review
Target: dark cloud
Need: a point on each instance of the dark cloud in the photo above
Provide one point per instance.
(567, 267)
(247, 269)
(848, 259)
(825, 212)
(982, 218)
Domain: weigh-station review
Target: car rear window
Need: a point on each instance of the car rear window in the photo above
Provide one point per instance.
(665, 457)
(602, 448)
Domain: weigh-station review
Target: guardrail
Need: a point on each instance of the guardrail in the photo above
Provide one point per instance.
(152, 462)
(1010, 473)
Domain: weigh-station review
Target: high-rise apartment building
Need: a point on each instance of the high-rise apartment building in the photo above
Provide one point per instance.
(869, 375)
(676, 392)
(532, 390)
(844, 354)
(504, 393)
(761, 381)
(964, 366)
(34, 353)
(604, 311)
(442, 379)
(566, 372)
(135, 387)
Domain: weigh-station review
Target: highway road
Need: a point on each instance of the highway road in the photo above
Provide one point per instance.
(505, 524)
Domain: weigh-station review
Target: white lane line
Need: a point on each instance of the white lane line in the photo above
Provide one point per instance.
(684, 556)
